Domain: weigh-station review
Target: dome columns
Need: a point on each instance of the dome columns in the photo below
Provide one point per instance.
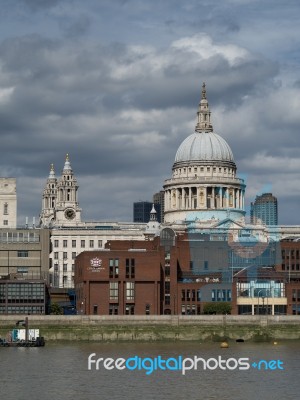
(207, 197)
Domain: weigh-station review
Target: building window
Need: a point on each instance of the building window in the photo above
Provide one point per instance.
(92, 244)
(129, 290)
(65, 266)
(5, 209)
(113, 309)
(65, 255)
(82, 243)
(73, 243)
(95, 309)
(22, 253)
(5, 222)
(22, 270)
(65, 280)
(198, 294)
(56, 244)
(167, 271)
(167, 287)
(147, 309)
(182, 295)
(113, 290)
(73, 255)
(65, 243)
(114, 268)
(130, 268)
(99, 243)
(56, 255)
(129, 309)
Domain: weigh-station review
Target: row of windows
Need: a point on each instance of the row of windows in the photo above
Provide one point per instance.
(22, 300)
(23, 237)
(22, 310)
(129, 309)
(114, 291)
(190, 295)
(221, 295)
(64, 255)
(190, 309)
(202, 169)
(290, 253)
(21, 288)
(129, 268)
(216, 295)
(261, 310)
(292, 267)
(82, 243)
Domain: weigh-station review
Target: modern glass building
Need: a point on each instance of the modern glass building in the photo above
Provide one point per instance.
(141, 211)
(264, 209)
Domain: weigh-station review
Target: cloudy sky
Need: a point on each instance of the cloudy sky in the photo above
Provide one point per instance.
(116, 84)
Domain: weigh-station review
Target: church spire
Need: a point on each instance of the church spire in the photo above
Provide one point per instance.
(153, 214)
(67, 166)
(52, 172)
(203, 114)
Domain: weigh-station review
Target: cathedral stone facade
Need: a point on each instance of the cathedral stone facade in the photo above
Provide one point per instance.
(60, 204)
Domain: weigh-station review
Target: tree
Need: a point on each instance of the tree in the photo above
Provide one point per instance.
(217, 308)
(56, 309)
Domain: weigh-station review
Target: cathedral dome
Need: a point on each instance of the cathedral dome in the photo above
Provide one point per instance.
(204, 146)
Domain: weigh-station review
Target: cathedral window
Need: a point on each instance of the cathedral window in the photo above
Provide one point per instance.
(5, 209)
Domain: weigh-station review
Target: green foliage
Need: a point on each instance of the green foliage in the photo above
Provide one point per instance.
(56, 309)
(217, 308)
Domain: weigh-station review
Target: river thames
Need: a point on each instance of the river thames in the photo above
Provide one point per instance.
(60, 371)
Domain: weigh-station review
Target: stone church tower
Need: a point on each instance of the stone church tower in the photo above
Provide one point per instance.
(60, 204)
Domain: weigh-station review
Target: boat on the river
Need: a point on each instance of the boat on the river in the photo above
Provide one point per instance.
(19, 337)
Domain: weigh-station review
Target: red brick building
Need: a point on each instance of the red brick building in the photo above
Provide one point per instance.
(179, 274)
(173, 274)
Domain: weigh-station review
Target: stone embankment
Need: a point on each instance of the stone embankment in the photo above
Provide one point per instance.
(159, 328)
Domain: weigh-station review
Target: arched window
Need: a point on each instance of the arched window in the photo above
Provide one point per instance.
(5, 209)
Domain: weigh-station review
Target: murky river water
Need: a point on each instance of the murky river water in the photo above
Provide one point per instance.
(60, 371)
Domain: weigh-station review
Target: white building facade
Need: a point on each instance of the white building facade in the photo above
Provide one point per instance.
(8, 203)
(70, 236)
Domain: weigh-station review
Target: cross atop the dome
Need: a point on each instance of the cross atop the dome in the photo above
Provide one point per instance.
(203, 114)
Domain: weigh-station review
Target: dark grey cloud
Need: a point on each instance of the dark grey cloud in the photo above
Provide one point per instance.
(41, 4)
(119, 91)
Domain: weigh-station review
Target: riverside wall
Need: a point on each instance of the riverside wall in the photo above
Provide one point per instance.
(159, 328)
